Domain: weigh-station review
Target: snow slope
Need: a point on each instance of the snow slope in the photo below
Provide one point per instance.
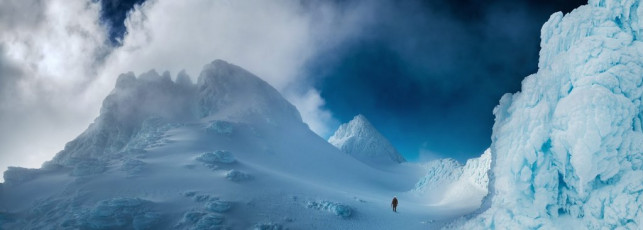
(225, 153)
(361, 140)
(568, 149)
(448, 183)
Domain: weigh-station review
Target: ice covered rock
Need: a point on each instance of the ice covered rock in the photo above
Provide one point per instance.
(199, 197)
(237, 176)
(218, 206)
(338, 209)
(200, 220)
(209, 222)
(456, 182)
(122, 116)
(220, 127)
(476, 170)
(191, 218)
(440, 173)
(361, 140)
(219, 156)
(268, 226)
(568, 148)
(121, 213)
(152, 133)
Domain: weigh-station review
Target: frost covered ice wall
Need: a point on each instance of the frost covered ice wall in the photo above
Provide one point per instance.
(447, 182)
(568, 149)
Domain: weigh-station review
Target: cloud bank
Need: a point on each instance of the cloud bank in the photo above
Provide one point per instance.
(49, 51)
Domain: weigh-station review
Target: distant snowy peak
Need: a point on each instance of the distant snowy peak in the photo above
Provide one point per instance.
(361, 140)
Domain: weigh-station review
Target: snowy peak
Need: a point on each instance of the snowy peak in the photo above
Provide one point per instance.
(229, 92)
(150, 101)
(361, 140)
(133, 102)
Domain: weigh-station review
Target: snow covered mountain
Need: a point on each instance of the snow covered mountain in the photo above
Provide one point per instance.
(568, 150)
(361, 140)
(224, 92)
(449, 183)
(225, 153)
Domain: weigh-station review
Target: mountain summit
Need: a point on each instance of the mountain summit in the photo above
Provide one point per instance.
(227, 91)
(361, 140)
(224, 92)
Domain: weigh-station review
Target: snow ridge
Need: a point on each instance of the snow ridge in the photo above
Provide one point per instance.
(456, 182)
(229, 92)
(361, 140)
(476, 170)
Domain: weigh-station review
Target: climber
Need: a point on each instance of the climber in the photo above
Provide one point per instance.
(394, 203)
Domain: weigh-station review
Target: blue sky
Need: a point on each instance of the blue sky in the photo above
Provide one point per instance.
(426, 73)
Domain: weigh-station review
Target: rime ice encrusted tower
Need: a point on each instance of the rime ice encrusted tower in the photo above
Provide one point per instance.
(568, 148)
(361, 140)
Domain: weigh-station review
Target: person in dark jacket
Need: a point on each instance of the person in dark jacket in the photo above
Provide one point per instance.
(394, 204)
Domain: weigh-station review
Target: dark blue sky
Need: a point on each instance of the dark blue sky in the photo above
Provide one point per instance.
(427, 74)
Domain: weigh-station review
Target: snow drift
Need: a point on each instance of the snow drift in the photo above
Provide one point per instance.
(568, 149)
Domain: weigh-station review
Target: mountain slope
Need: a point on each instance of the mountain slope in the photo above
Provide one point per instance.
(228, 152)
(361, 140)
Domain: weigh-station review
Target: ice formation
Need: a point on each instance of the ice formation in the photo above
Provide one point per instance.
(361, 140)
(443, 172)
(476, 170)
(218, 206)
(237, 176)
(219, 156)
(568, 149)
(440, 173)
(449, 182)
(338, 209)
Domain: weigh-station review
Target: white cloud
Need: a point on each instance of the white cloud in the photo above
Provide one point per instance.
(55, 67)
(272, 39)
(309, 105)
(48, 54)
